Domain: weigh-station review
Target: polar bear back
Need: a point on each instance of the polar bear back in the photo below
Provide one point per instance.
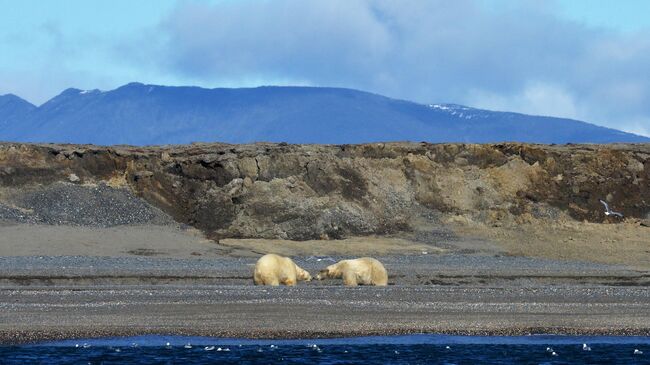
(368, 271)
(272, 269)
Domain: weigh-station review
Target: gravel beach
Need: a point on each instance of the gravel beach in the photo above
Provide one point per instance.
(317, 311)
(58, 297)
(167, 279)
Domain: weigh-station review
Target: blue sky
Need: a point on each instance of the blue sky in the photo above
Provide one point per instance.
(583, 59)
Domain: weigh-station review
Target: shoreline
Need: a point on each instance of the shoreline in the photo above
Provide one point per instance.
(62, 297)
(245, 311)
(10, 338)
(139, 280)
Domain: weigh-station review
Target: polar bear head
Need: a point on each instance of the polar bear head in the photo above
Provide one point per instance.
(332, 272)
(302, 275)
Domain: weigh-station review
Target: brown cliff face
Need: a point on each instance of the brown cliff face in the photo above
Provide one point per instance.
(316, 191)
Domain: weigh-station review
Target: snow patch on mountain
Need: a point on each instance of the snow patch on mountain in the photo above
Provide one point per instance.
(460, 111)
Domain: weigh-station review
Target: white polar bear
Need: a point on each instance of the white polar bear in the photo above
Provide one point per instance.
(272, 269)
(365, 271)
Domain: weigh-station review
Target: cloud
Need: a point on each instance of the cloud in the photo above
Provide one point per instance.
(535, 98)
(275, 39)
(520, 57)
(45, 61)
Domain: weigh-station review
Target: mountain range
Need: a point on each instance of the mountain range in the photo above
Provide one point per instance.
(139, 114)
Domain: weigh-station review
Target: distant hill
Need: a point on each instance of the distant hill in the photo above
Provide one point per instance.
(141, 114)
(12, 110)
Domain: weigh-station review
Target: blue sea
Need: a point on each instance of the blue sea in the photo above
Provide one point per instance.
(412, 349)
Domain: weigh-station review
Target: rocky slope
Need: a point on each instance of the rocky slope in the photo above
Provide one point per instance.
(302, 192)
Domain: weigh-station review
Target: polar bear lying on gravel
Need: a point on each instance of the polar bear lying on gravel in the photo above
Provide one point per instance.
(274, 270)
(365, 271)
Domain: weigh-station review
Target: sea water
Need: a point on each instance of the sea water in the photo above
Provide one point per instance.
(412, 349)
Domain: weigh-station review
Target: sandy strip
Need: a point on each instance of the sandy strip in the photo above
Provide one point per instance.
(134, 240)
(319, 311)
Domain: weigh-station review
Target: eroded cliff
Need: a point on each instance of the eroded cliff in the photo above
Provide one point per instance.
(304, 192)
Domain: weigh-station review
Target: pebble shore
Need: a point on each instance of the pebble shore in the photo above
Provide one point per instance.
(29, 315)
(46, 298)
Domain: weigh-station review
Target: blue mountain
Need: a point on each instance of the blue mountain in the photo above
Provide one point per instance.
(13, 110)
(139, 114)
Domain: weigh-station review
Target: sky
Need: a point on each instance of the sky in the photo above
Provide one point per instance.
(581, 59)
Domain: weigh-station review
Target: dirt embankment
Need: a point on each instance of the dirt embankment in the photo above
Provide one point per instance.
(304, 192)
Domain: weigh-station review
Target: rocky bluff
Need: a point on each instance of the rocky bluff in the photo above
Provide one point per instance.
(302, 192)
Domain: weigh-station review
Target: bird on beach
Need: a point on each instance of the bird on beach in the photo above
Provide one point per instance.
(608, 211)
(638, 352)
(585, 347)
(319, 259)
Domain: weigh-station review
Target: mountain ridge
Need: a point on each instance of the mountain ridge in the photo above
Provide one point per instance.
(13, 107)
(143, 114)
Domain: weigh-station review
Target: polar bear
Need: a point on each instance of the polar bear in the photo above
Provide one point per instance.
(364, 270)
(272, 269)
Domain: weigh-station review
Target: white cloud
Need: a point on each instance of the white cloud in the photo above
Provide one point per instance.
(535, 98)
